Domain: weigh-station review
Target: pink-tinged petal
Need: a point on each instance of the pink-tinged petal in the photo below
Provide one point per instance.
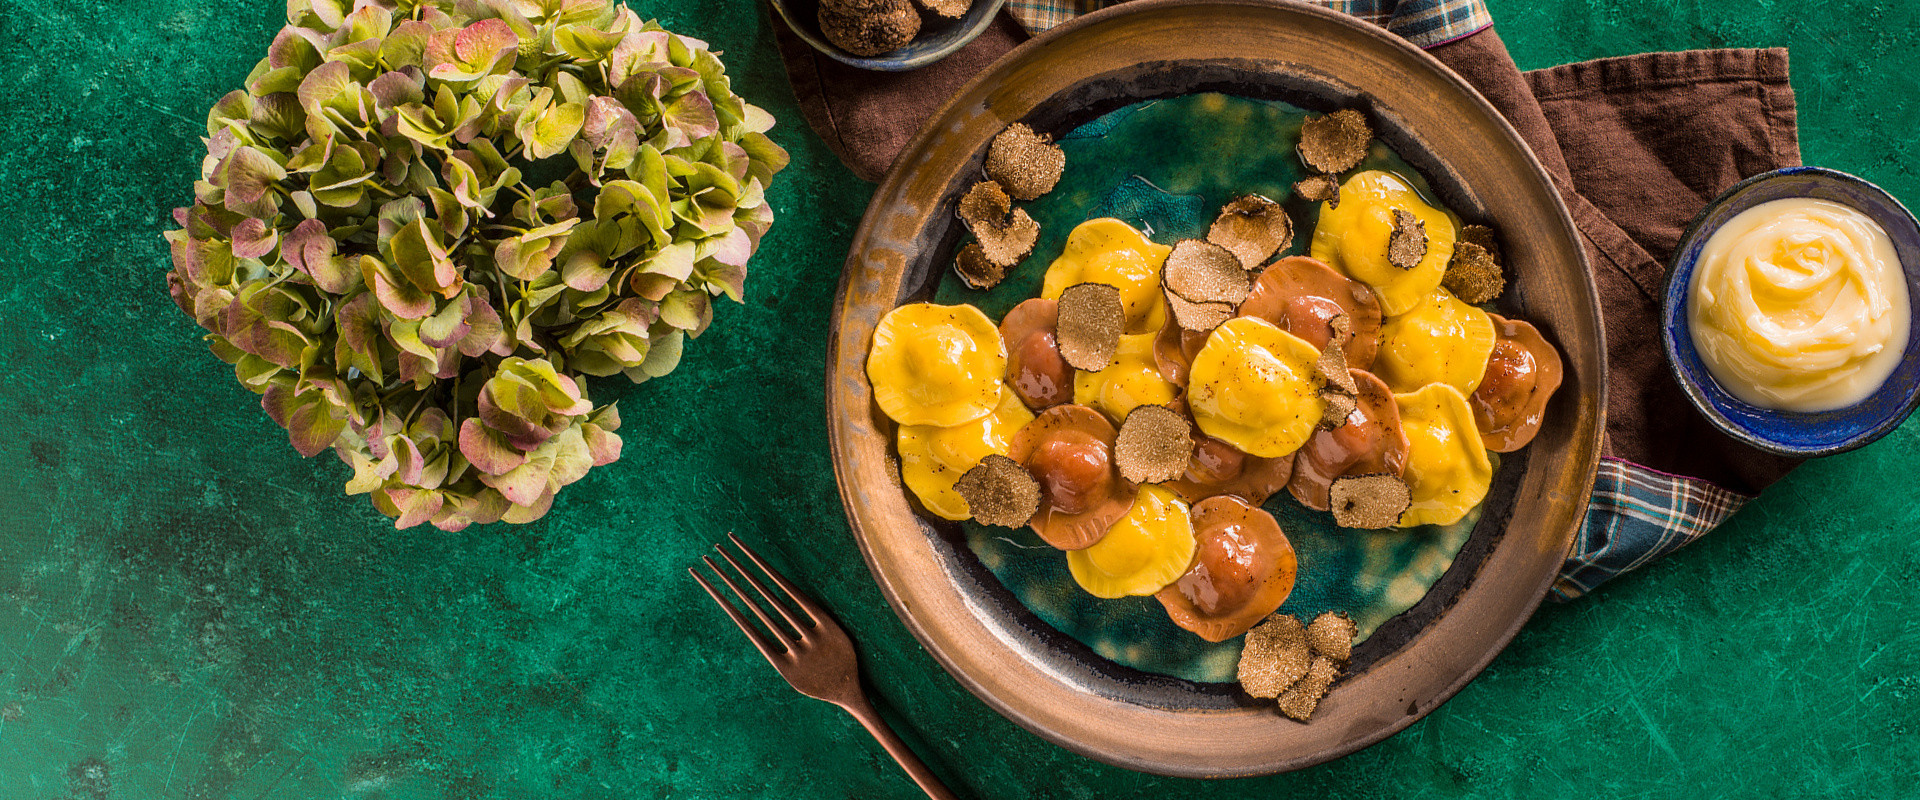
(446, 327)
(397, 89)
(484, 40)
(323, 84)
(523, 484)
(603, 444)
(253, 239)
(527, 512)
(415, 505)
(487, 450)
(485, 334)
(735, 248)
(312, 423)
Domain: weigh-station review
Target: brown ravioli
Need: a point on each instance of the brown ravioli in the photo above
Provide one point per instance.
(1275, 656)
(1005, 234)
(1336, 142)
(1299, 701)
(1303, 296)
(1408, 242)
(1069, 450)
(1522, 374)
(1331, 635)
(1174, 349)
(1319, 189)
(1153, 445)
(1024, 162)
(1039, 375)
(1253, 228)
(1243, 568)
(1091, 319)
(1217, 468)
(1371, 441)
(1370, 502)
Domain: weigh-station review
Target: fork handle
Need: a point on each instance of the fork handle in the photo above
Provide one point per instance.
(864, 711)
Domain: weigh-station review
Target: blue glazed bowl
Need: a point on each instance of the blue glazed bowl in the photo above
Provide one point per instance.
(1793, 433)
(939, 37)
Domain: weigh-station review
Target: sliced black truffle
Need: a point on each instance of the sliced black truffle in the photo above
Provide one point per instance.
(1154, 445)
(1483, 236)
(1203, 272)
(1024, 162)
(1335, 407)
(1332, 364)
(947, 9)
(1274, 657)
(1200, 317)
(1331, 635)
(869, 28)
(1253, 228)
(1371, 502)
(1472, 275)
(1091, 320)
(1408, 242)
(975, 269)
(999, 492)
(1336, 142)
(1006, 234)
(1319, 189)
(1299, 701)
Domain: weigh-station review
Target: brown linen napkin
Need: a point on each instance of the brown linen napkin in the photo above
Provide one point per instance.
(1636, 145)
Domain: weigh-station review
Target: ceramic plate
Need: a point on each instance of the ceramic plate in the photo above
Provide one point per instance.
(1474, 163)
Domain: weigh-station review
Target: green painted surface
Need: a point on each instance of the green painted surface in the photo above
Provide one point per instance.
(189, 609)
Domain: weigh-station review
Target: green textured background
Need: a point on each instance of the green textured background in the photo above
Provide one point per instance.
(189, 609)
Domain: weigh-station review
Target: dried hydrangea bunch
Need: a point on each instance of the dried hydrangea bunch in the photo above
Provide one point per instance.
(424, 220)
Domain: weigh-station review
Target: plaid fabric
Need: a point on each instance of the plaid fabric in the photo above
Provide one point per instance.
(1638, 515)
(1424, 22)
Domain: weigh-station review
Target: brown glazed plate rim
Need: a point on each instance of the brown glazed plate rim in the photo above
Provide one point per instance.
(1316, 58)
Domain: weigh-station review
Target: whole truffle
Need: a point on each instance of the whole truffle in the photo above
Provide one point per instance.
(869, 29)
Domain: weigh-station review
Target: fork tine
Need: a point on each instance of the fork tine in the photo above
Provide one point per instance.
(794, 624)
(759, 639)
(772, 627)
(813, 610)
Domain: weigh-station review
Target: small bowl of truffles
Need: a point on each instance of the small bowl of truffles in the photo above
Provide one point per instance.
(887, 35)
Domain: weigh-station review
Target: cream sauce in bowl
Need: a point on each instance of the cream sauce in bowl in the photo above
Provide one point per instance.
(1799, 304)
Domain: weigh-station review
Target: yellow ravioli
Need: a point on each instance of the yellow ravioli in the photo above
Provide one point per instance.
(1253, 386)
(932, 459)
(1132, 379)
(1352, 238)
(1442, 340)
(1447, 467)
(1109, 251)
(1142, 553)
(936, 365)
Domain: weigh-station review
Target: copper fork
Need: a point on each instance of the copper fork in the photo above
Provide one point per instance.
(817, 657)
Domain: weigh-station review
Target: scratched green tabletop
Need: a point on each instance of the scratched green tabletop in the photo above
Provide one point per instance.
(188, 609)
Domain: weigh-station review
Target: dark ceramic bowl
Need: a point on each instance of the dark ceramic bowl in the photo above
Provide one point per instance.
(939, 37)
(1794, 433)
(1308, 56)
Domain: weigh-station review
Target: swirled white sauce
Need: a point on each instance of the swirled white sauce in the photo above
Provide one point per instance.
(1799, 305)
